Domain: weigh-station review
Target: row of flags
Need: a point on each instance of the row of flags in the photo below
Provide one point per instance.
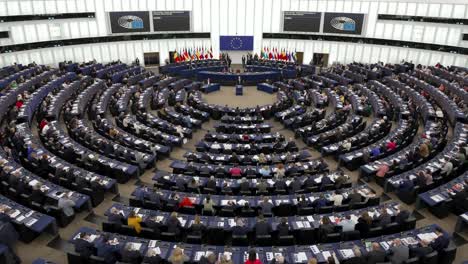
(188, 54)
(275, 54)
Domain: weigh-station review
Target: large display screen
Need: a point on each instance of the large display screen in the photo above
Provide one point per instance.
(301, 21)
(343, 23)
(236, 42)
(129, 22)
(171, 21)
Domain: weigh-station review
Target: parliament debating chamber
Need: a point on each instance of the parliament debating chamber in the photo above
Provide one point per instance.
(234, 131)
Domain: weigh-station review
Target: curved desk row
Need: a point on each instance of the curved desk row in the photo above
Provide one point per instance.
(232, 78)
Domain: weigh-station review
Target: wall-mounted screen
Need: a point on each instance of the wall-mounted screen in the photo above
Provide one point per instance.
(301, 21)
(171, 21)
(236, 42)
(129, 22)
(4, 34)
(343, 23)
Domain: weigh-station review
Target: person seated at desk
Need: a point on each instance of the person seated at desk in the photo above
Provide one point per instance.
(208, 204)
(399, 253)
(446, 168)
(322, 166)
(191, 168)
(239, 229)
(280, 171)
(391, 145)
(363, 224)
(401, 216)
(309, 182)
(340, 180)
(325, 182)
(262, 186)
(250, 171)
(234, 159)
(382, 170)
(252, 259)
(280, 184)
(295, 185)
(265, 171)
(155, 197)
(441, 242)
(82, 245)
(422, 179)
(337, 198)
(460, 191)
(422, 250)
(211, 183)
(424, 151)
(283, 227)
(266, 206)
(152, 257)
(347, 223)
(346, 146)
(375, 152)
(376, 255)
(235, 171)
(406, 184)
(107, 250)
(134, 221)
(66, 204)
(193, 184)
(354, 197)
(115, 216)
(215, 146)
(244, 185)
(186, 202)
(173, 224)
(262, 227)
(326, 227)
(130, 254)
(197, 228)
(44, 163)
(262, 159)
(321, 201)
(37, 195)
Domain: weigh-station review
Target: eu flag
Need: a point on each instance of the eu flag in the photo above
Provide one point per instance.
(236, 43)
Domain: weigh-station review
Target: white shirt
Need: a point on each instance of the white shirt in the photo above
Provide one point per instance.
(337, 199)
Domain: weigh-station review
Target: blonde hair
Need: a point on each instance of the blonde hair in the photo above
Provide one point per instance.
(312, 261)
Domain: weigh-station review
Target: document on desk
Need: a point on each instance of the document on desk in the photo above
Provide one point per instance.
(314, 249)
(347, 253)
(326, 254)
(427, 236)
(300, 257)
(198, 255)
(437, 198)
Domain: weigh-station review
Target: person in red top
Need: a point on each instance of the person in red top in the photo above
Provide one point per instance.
(19, 104)
(235, 171)
(245, 137)
(252, 258)
(391, 145)
(186, 202)
(43, 123)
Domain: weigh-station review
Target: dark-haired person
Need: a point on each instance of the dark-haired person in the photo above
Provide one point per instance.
(441, 242)
(252, 259)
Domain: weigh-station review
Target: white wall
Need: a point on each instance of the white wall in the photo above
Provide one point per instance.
(242, 17)
(126, 51)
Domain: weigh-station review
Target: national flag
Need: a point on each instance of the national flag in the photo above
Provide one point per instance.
(176, 56)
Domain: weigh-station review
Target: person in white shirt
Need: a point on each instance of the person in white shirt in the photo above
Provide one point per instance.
(347, 224)
(447, 168)
(347, 145)
(337, 198)
(66, 204)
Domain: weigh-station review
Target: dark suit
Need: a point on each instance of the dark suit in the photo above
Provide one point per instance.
(244, 187)
(283, 229)
(374, 257)
(211, 184)
(115, 218)
(262, 228)
(37, 196)
(108, 252)
(421, 251)
(173, 226)
(153, 260)
(440, 243)
(130, 256)
(354, 198)
(84, 248)
(239, 231)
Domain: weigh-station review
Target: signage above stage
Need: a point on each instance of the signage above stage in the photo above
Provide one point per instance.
(236, 43)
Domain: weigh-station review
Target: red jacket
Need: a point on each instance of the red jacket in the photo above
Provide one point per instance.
(257, 261)
(185, 202)
(391, 145)
(235, 171)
